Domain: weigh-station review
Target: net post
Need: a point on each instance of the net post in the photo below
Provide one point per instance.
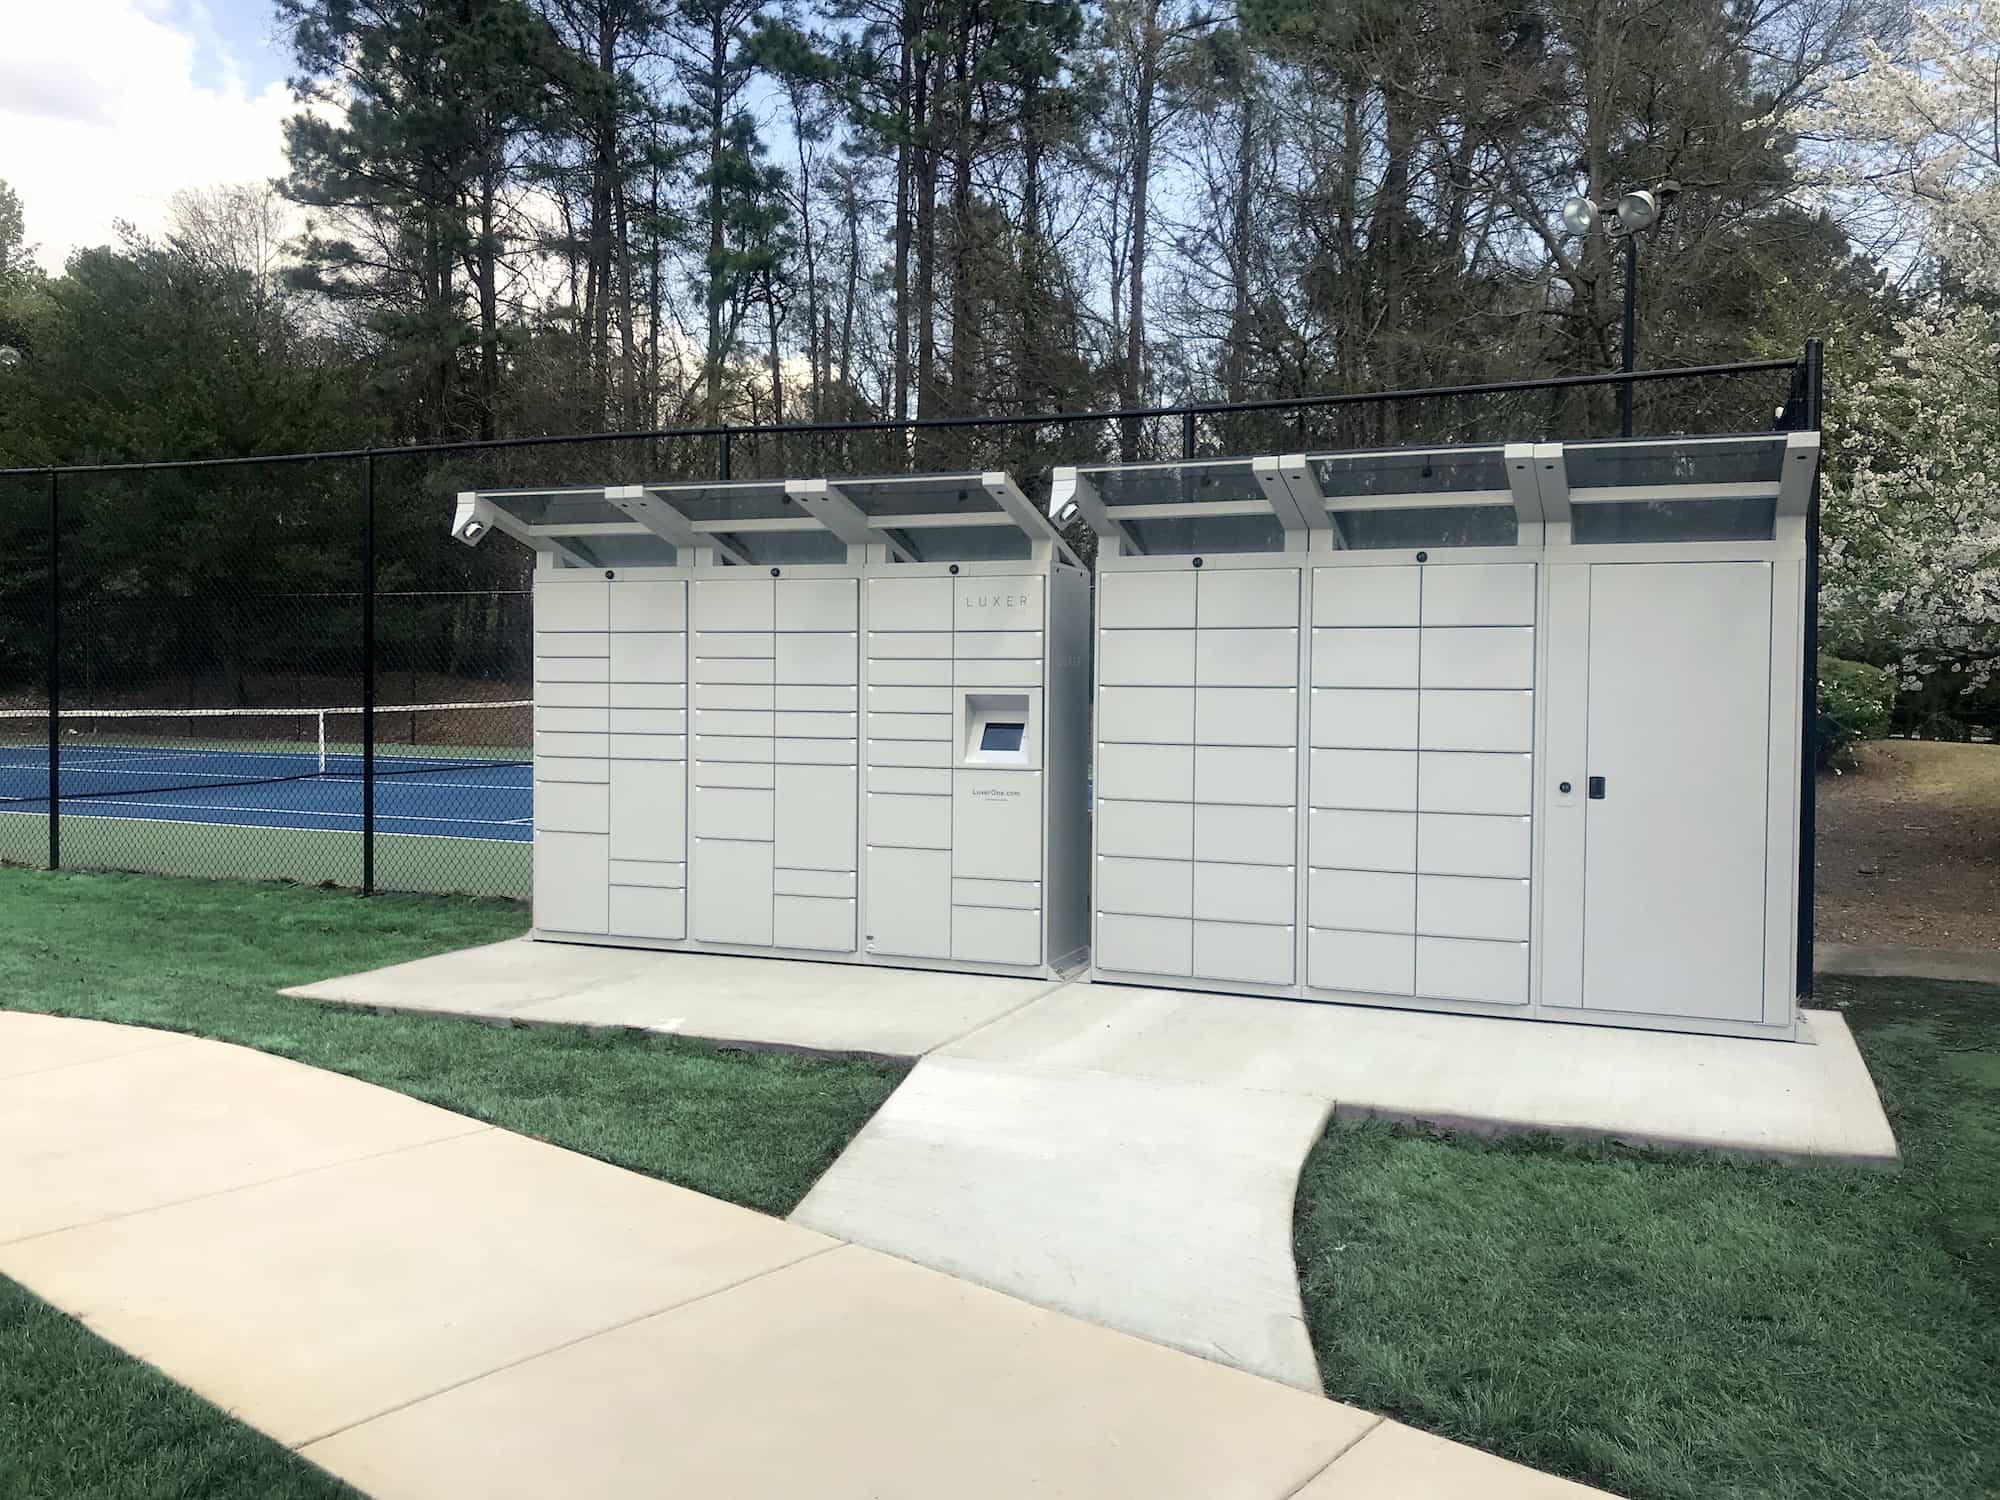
(55, 671)
(367, 673)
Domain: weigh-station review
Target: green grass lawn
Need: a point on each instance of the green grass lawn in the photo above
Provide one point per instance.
(1686, 1327)
(78, 1417)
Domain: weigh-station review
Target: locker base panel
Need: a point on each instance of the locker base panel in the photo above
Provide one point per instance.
(799, 1002)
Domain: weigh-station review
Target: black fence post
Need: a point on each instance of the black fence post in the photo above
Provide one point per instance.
(1815, 411)
(722, 455)
(55, 671)
(368, 674)
(1187, 434)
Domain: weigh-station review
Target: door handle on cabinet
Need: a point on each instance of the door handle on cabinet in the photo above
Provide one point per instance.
(1597, 789)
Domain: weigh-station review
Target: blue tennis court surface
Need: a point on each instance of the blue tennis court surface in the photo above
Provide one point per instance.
(433, 794)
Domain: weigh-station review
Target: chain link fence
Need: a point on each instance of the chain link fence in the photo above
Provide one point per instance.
(285, 669)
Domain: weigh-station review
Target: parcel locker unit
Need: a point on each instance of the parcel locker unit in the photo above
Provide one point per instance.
(1510, 730)
(842, 720)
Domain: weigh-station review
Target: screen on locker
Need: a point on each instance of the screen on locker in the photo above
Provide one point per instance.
(999, 736)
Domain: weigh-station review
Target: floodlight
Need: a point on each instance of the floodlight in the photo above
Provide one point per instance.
(1579, 215)
(1066, 513)
(9, 356)
(1636, 210)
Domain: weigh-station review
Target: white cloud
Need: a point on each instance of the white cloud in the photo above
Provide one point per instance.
(101, 118)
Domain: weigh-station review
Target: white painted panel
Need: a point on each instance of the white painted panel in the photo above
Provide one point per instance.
(1452, 781)
(817, 726)
(1560, 815)
(553, 645)
(1375, 963)
(1235, 951)
(996, 821)
(817, 604)
(572, 669)
(733, 604)
(1366, 596)
(1147, 773)
(572, 604)
(733, 721)
(1245, 893)
(1479, 594)
(1364, 718)
(572, 720)
(1021, 895)
(828, 658)
(909, 902)
(909, 752)
(1361, 900)
(570, 885)
(733, 747)
(572, 694)
(1340, 839)
(997, 645)
(565, 768)
(735, 773)
(1146, 715)
(998, 673)
(572, 807)
(732, 813)
(1455, 719)
(909, 604)
(730, 886)
(903, 821)
(649, 810)
(812, 882)
(1246, 835)
(737, 669)
(735, 695)
(547, 744)
(1145, 887)
(1246, 715)
(1471, 844)
(789, 751)
(1674, 909)
(910, 727)
(816, 812)
(1145, 945)
(1146, 658)
(936, 673)
(990, 935)
(1246, 658)
(655, 720)
(648, 746)
(1468, 969)
(820, 699)
(669, 874)
(895, 645)
(923, 780)
(824, 923)
(1365, 780)
(647, 912)
(648, 604)
(650, 656)
(1145, 600)
(649, 695)
(1365, 658)
(996, 603)
(909, 700)
(1251, 776)
(1146, 830)
(1247, 597)
(711, 645)
(1476, 657)
(1472, 906)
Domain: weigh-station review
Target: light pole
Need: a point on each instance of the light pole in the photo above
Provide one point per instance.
(1634, 212)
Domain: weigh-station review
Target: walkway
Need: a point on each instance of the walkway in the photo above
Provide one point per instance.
(427, 1306)
(1131, 1156)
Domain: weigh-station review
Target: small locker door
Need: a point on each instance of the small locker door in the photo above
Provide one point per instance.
(1674, 847)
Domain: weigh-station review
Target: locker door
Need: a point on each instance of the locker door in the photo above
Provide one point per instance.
(1674, 864)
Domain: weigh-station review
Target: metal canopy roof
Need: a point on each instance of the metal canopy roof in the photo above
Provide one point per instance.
(914, 517)
(1627, 489)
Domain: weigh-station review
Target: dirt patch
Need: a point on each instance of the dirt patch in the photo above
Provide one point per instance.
(1909, 847)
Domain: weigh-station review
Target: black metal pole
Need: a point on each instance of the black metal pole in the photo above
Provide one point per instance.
(1628, 345)
(1815, 404)
(722, 455)
(1187, 434)
(368, 674)
(55, 671)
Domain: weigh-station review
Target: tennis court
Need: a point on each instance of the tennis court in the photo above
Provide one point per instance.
(277, 794)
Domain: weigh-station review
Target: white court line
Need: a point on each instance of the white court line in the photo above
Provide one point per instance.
(480, 838)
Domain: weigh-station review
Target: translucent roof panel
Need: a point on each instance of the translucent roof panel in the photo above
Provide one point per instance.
(1393, 471)
(919, 495)
(1176, 484)
(1006, 543)
(1699, 520)
(1430, 526)
(1755, 458)
(740, 500)
(796, 547)
(555, 507)
(640, 549)
(1170, 534)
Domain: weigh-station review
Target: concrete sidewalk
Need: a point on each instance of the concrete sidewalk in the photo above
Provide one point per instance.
(430, 1307)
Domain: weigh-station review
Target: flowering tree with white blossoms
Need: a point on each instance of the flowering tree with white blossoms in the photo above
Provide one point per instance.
(1912, 473)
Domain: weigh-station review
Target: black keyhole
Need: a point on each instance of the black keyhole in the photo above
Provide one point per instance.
(1564, 787)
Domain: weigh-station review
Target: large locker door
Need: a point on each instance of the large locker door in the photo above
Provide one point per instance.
(1674, 857)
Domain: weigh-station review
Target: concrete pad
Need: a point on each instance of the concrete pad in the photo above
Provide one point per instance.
(1162, 1209)
(1471, 1072)
(1964, 965)
(170, 1123)
(31, 1043)
(1394, 1462)
(311, 1303)
(764, 1001)
(852, 1375)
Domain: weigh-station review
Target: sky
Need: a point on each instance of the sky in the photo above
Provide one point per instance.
(108, 107)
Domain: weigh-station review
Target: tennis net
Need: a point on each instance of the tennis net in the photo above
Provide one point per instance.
(125, 752)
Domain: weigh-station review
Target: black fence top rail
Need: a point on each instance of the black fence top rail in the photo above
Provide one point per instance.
(914, 424)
